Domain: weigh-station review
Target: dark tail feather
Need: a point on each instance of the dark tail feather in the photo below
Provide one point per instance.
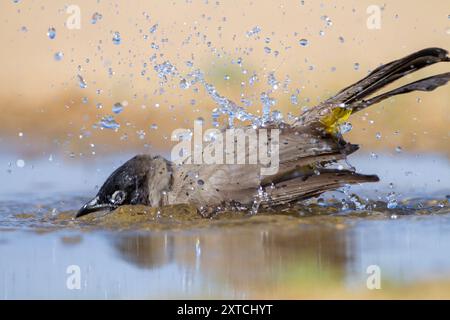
(351, 99)
(427, 84)
(388, 73)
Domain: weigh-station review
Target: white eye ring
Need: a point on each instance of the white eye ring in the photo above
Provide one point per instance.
(118, 197)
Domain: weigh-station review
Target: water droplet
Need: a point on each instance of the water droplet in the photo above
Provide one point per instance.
(267, 50)
(184, 84)
(294, 99)
(58, 56)
(116, 38)
(272, 81)
(267, 102)
(378, 135)
(154, 126)
(277, 116)
(20, 163)
(141, 134)
(153, 28)
(215, 117)
(391, 200)
(356, 66)
(164, 69)
(345, 127)
(226, 77)
(81, 82)
(51, 33)
(96, 17)
(398, 149)
(303, 42)
(341, 39)
(254, 31)
(117, 108)
(108, 122)
(200, 182)
(327, 20)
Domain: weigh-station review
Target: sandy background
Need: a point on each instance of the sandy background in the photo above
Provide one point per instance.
(44, 110)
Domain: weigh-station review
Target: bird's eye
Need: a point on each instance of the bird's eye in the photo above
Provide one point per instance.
(118, 197)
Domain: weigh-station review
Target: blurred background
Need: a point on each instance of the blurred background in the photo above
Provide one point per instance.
(59, 78)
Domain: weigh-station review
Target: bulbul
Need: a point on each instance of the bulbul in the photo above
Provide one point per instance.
(307, 148)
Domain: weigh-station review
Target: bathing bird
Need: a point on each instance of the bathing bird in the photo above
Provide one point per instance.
(308, 150)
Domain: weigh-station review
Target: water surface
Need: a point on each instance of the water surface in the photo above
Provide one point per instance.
(312, 251)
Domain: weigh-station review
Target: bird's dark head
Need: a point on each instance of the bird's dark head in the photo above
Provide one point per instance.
(126, 185)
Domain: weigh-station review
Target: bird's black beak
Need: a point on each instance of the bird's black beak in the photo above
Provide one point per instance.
(93, 206)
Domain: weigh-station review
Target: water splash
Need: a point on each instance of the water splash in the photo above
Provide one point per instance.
(267, 102)
(392, 200)
(254, 31)
(345, 127)
(165, 69)
(108, 122)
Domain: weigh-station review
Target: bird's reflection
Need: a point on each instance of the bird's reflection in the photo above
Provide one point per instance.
(254, 257)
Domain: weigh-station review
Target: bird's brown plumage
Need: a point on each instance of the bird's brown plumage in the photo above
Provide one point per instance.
(307, 147)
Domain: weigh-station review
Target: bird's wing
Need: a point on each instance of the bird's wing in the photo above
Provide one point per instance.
(300, 149)
(311, 184)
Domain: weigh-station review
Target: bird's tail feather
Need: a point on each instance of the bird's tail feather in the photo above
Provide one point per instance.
(427, 84)
(298, 178)
(354, 97)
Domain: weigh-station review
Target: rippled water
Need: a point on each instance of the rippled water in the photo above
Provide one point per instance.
(315, 250)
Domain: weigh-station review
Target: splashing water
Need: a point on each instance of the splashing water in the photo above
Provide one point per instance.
(392, 200)
(267, 102)
(108, 122)
(165, 69)
(345, 127)
(226, 106)
(254, 31)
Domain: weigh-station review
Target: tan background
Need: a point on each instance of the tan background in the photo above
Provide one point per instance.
(41, 97)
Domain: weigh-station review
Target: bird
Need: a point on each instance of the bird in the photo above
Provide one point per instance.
(308, 148)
